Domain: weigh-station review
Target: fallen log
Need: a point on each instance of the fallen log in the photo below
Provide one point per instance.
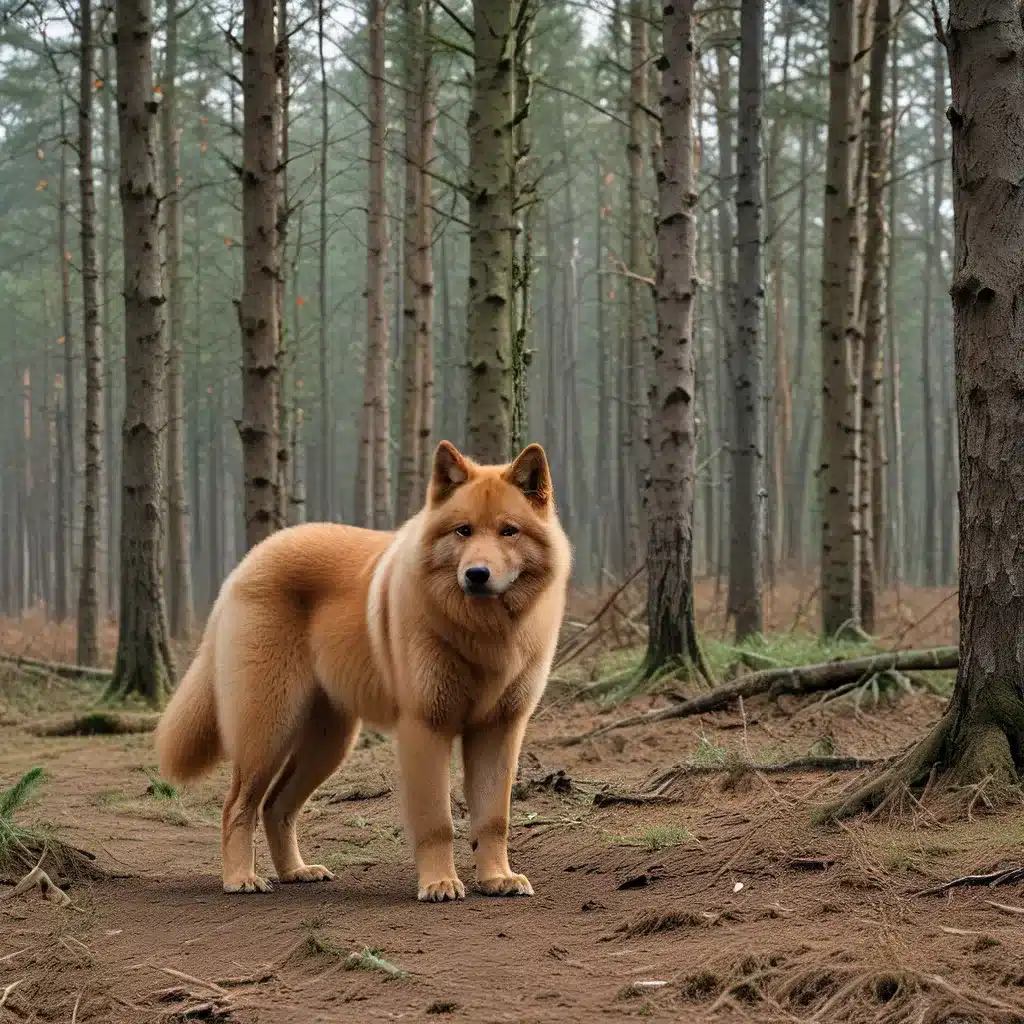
(799, 679)
(57, 668)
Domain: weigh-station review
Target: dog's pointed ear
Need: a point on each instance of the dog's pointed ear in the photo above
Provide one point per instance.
(451, 469)
(531, 474)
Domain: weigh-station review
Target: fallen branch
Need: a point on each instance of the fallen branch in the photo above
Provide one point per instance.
(38, 877)
(57, 668)
(799, 679)
(8, 990)
(1007, 876)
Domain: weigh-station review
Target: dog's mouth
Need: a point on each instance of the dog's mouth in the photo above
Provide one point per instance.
(478, 589)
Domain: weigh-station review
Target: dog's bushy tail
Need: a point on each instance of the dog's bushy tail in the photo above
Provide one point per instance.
(187, 737)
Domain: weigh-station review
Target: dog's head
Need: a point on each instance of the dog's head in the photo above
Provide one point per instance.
(491, 532)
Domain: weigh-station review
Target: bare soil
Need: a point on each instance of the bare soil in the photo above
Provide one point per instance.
(729, 904)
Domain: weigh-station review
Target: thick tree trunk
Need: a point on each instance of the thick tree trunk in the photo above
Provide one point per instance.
(89, 585)
(491, 226)
(747, 514)
(840, 570)
(981, 735)
(179, 583)
(143, 664)
(671, 485)
(257, 311)
(287, 349)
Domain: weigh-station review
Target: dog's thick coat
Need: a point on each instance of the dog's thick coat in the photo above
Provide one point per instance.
(444, 628)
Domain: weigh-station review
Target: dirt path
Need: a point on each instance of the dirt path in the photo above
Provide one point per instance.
(730, 897)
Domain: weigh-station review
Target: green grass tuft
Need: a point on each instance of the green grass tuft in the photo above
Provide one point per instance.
(158, 788)
(14, 798)
(658, 837)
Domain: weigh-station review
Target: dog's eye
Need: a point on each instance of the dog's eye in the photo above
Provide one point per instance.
(509, 531)
(465, 530)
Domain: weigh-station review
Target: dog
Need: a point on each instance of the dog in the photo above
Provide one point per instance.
(444, 628)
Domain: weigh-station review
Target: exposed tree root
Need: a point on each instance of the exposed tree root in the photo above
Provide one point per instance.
(796, 680)
(972, 757)
(1006, 876)
(96, 723)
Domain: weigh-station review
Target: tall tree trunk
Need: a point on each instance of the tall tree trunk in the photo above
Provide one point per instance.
(327, 467)
(894, 401)
(257, 311)
(89, 585)
(637, 290)
(66, 445)
(980, 737)
(871, 490)
(424, 280)
(491, 224)
(604, 513)
(726, 287)
(671, 485)
(179, 589)
(374, 473)
(287, 352)
(408, 495)
(106, 324)
(747, 514)
(143, 664)
(930, 322)
(840, 567)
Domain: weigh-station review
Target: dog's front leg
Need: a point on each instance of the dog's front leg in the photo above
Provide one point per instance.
(490, 754)
(424, 758)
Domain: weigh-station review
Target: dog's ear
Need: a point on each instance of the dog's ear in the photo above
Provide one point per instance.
(530, 473)
(450, 470)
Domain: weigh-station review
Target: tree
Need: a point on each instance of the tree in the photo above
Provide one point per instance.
(747, 515)
(257, 311)
(981, 734)
(872, 409)
(491, 216)
(671, 487)
(89, 589)
(143, 664)
(179, 581)
(373, 486)
(840, 569)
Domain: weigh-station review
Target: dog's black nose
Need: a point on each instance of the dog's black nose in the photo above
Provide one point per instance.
(478, 575)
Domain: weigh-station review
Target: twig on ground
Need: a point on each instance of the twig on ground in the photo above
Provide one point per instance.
(8, 990)
(799, 680)
(1006, 908)
(38, 877)
(1007, 876)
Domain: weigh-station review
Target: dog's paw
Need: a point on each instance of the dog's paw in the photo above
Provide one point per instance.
(308, 873)
(505, 885)
(439, 892)
(253, 883)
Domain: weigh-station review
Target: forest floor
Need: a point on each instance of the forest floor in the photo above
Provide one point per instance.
(726, 904)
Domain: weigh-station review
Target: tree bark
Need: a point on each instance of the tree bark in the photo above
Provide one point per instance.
(871, 464)
(66, 398)
(89, 586)
(981, 735)
(410, 487)
(491, 226)
(327, 467)
(287, 350)
(179, 583)
(373, 487)
(257, 311)
(671, 486)
(637, 290)
(748, 508)
(143, 664)
(840, 569)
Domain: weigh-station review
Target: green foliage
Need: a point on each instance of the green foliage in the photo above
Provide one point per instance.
(158, 788)
(15, 797)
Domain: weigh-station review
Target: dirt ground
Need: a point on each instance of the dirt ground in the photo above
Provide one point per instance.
(727, 904)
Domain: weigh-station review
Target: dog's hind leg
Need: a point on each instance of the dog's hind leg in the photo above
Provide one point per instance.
(322, 743)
